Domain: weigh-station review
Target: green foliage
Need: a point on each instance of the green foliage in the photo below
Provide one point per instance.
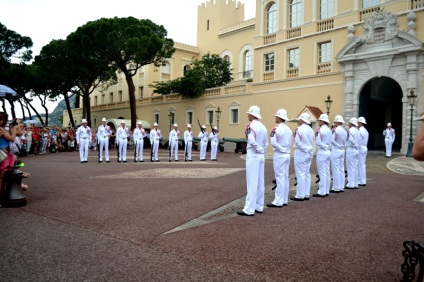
(13, 44)
(209, 72)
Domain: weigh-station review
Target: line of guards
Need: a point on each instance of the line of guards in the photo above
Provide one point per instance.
(84, 133)
(332, 145)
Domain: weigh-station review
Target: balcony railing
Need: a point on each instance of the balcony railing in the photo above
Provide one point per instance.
(366, 13)
(325, 25)
(292, 72)
(269, 39)
(417, 4)
(166, 76)
(324, 68)
(294, 32)
(268, 76)
(235, 89)
(213, 92)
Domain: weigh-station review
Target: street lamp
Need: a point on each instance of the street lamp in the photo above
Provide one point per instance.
(218, 115)
(411, 101)
(171, 119)
(328, 104)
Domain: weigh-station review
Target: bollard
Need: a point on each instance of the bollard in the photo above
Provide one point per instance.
(13, 196)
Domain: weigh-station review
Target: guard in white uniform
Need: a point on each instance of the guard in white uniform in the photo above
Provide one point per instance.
(138, 137)
(214, 137)
(353, 144)
(173, 142)
(83, 138)
(303, 153)
(103, 134)
(281, 139)
(188, 141)
(362, 169)
(122, 134)
(203, 140)
(389, 138)
(155, 135)
(257, 143)
(338, 141)
(323, 140)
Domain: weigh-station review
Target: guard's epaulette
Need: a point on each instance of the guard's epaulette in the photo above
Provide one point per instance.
(247, 132)
(273, 132)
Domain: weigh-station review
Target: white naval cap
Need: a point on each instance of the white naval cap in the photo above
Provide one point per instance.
(362, 120)
(216, 128)
(155, 124)
(189, 125)
(389, 124)
(324, 118)
(281, 113)
(254, 111)
(354, 121)
(83, 120)
(122, 121)
(338, 118)
(103, 119)
(204, 126)
(175, 125)
(139, 122)
(305, 117)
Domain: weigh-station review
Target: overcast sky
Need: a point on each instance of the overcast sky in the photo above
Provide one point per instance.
(45, 20)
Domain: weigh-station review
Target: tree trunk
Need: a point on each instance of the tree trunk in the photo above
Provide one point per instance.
(22, 109)
(131, 93)
(35, 111)
(12, 109)
(68, 108)
(3, 105)
(86, 104)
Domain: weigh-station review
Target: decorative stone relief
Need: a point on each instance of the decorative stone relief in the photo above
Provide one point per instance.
(380, 27)
(411, 24)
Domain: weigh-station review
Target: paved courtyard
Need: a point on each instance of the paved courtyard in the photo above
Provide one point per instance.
(176, 222)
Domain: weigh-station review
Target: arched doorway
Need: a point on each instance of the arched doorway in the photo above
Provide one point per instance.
(380, 102)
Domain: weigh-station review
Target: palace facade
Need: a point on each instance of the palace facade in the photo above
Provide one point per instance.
(367, 55)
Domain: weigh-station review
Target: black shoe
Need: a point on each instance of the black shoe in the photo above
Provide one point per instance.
(170, 161)
(82, 162)
(362, 184)
(274, 206)
(327, 195)
(157, 161)
(244, 214)
(256, 211)
(86, 161)
(108, 161)
(306, 198)
(351, 188)
(284, 205)
(135, 161)
(190, 160)
(100, 162)
(119, 161)
(296, 199)
(177, 160)
(125, 161)
(318, 195)
(341, 191)
(335, 191)
(141, 161)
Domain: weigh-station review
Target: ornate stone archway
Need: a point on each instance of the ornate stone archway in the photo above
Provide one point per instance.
(383, 50)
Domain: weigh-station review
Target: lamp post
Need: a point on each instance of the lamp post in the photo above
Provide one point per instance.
(171, 118)
(411, 101)
(328, 104)
(218, 115)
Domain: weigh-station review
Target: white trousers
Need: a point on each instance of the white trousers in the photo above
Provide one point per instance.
(281, 164)
(122, 149)
(352, 161)
(362, 166)
(83, 149)
(302, 166)
(389, 144)
(138, 149)
(188, 148)
(174, 149)
(214, 149)
(255, 167)
(323, 166)
(337, 167)
(203, 145)
(103, 145)
(155, 147)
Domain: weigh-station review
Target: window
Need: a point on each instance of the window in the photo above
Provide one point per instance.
(207, 25)
(189, 117)
(247, 63)
(165, 68)
(157, 118)
(369, 3)
(111, 97)
(295, 13)
(186, 68)
(325, 52)
(120, 96)
(294, 58)
(269, 62)
(271, 19)
(326, 9)
(227, 58)
(95, 121)
(103, 99)
(141, 92)
(234, 116)
(96, 100)
(210, 116)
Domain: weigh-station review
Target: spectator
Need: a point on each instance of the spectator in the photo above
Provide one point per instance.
(71, 139)
(29, 141)
(6, 137)
(418, 148)
(36, 136)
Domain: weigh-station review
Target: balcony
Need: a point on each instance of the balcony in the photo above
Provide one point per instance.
(269, 39)
(325, 25)
(292, 72)
(324, 68)
(417, 4)
(366, 13)
(294, 32)
(268, 76)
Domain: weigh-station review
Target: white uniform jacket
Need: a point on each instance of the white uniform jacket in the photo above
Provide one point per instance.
(281, 138)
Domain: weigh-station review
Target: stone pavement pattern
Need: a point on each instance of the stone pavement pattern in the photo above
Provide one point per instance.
(112, 222)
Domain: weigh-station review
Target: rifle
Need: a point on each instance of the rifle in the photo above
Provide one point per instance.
(117, 147)
(151, 151)
(201, 128)
(275, 184)
(169, 146)
(185, 151)
(135, 150)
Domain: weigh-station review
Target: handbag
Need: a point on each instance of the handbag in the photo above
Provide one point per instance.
(3, 156)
